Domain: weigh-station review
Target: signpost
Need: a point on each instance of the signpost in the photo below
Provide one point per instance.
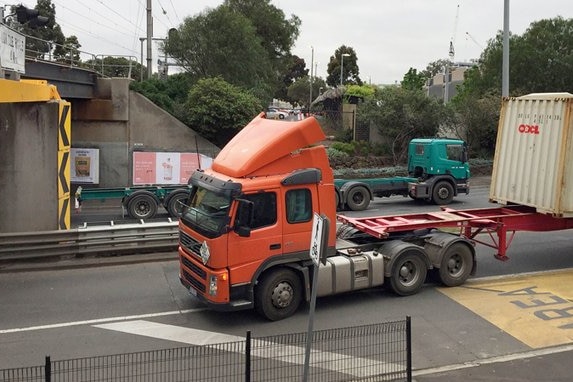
(12, 50)
(318, 245)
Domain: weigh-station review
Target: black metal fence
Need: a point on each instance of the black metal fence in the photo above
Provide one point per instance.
(378, 352)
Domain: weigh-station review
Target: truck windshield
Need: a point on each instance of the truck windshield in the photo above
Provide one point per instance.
(207, 212)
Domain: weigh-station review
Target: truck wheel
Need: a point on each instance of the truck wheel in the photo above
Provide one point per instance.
(358, 198)
(408, 274)
(175, 201)
(142, 205)
(456, 265)
(278, 295)
(443, 193)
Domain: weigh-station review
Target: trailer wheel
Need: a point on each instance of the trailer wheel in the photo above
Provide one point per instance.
(408, 274)
(278, 295)
(142, 205)
(358, 198)
(456, 265)
(443, 193)
(175, 201)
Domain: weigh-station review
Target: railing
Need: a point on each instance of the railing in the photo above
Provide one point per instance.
(377, 352)
(113, 239)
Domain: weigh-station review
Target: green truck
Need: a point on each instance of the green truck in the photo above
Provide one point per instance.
(438, 170)
(140, 202)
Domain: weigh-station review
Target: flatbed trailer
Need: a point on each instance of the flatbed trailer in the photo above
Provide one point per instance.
(499, 223)
(140, 202)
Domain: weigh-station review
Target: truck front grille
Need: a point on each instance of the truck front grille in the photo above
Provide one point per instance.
(198, 285)
(191, 245)
(194, 268)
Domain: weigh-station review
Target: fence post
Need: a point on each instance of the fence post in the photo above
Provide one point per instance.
(409, 349)
(48, 370)
(248, 357)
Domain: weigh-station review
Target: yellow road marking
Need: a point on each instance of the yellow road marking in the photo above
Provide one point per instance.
(535, 309)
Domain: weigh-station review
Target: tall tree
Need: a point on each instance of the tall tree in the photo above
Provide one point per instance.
(222, 42)
(69, 52)
(299, 91)
(276, 33)
(400, 115)
(218, 110)
(296, 69)
(41, 40)
(349, 65)
(540, 61)
(413, 80)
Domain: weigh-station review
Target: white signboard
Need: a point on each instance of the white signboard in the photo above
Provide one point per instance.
(317, 238)
(12, 50)
(84, 167)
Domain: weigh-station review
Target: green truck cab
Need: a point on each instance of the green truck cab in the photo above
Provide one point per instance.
(438, 170)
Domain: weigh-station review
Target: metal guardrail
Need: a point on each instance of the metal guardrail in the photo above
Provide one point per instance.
(109, 240)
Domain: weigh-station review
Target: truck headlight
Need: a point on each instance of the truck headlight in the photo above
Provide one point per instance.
(213, 285)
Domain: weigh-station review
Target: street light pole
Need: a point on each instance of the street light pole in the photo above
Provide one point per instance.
(310, 79)
(342, 65)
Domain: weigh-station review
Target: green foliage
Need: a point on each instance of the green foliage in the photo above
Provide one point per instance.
(334, 154)
(361, 91)
(222, 43)
(347, 148)
(299, 91)
(116, 67)
(218, 110)
(413, 80)
(170, 94)
(294, 69)
(540, 61)
(400, 115)
(38, 44)
(350, 71)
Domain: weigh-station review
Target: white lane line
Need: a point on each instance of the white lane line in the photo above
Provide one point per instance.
(170, 332)
(99, 321)
(341, 363)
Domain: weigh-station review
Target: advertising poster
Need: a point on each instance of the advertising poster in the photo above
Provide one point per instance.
(166, 167)
(84, 166)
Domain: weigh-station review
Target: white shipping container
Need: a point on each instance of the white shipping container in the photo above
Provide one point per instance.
(533, 163)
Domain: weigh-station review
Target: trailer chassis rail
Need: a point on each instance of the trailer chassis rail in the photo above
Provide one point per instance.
(499, 223)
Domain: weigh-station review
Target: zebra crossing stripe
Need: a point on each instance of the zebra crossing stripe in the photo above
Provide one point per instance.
(337, 362)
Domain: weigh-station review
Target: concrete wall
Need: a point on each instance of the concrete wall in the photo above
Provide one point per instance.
(123, 121)
(29, 167)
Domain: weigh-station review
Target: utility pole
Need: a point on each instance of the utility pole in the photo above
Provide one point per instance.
(149, 39)
(505, 56)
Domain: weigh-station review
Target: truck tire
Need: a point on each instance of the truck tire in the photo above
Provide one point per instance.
(278, 295)
(456, 265)
(174, 201)
(443, 193)
(408, 274)
(358, 198)
(142, 205)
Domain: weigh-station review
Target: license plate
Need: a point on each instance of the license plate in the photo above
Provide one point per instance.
(193, 292)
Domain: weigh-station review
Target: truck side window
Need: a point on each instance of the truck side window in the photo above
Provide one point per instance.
(454, 152)
(298, 205)
(419, 149)
(265, 209)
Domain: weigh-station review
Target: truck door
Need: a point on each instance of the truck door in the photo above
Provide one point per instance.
(454, 160)
(265, 239)
(299, 205)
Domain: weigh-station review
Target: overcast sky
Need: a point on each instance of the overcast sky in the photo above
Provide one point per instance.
(389, 36)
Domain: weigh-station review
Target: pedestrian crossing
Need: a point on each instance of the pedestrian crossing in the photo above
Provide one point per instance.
(332, 361)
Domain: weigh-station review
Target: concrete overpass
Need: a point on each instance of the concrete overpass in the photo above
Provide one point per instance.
(106, 115)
